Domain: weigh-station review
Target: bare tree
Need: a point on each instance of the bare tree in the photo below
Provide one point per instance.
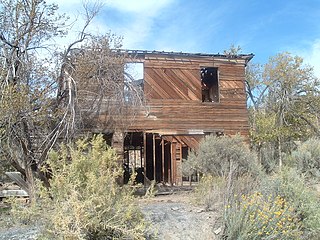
(26, 81)
(40, 99)
(105, 96)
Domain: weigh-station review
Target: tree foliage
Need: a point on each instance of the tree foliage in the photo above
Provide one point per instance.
(283, 102)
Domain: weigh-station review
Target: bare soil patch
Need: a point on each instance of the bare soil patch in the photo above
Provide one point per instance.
(174, 217)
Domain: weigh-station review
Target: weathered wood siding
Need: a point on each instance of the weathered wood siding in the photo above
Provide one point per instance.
(172, 88)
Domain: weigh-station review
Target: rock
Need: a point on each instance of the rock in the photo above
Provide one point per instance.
(217, 231)
(200, 210)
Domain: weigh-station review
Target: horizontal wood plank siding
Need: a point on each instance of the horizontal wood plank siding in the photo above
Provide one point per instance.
(172, 89)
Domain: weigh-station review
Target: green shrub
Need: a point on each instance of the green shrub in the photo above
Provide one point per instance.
(258, 216)
(307, 158)
(218, 156)
(229, 168)
(84, 200)
(292, 187)
(282, 207)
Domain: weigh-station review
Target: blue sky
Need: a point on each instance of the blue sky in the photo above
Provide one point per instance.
(264, 28)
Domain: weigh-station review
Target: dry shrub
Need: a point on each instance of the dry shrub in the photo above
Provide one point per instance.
(229, 167)
(254, 205)
(281, 207)
(257, 216)
(210, 192)
(218, 156)
(307, 158)
(84, 200)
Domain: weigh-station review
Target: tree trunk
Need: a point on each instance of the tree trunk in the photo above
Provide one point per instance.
(279, 153)
(30, 182)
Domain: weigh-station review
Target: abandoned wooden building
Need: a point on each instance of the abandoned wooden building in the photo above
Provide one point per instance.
(187, 96)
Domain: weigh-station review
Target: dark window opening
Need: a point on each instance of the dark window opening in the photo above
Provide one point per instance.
(219, 134)
(133, 156)
(209, 84)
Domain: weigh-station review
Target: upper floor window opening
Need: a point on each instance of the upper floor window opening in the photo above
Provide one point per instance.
(133, 81)
(209, 84)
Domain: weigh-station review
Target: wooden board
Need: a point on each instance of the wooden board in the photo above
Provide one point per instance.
(172, 89)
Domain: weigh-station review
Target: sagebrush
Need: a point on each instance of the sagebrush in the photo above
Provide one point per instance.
(281, 206)
(218, 156)
(84, 200)
(307, 158)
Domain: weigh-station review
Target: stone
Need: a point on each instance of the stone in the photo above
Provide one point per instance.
(217, 231)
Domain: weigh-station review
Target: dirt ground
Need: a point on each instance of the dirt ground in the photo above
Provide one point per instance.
(172, 217)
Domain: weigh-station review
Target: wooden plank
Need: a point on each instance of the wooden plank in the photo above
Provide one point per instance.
(173, 163)
(179, 174)
(172, 88)
(162, 156)
(17, 178)
(154, 156)
(145, 157)
(169, 165)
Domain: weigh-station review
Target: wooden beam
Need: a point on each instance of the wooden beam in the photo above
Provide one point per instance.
(154, 156)
(162, 148)
(180, 171)
(145, 157)
(173, 162)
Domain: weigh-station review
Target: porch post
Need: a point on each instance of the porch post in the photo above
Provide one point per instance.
(154, 156)
(144, 158)
(162, 148)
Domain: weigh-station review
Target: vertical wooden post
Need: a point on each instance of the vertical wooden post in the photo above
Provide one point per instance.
(180, 170)
(173, 163)
(169, 165)
(145, 158)
(154, 156)
(162, 148)
(135, 159)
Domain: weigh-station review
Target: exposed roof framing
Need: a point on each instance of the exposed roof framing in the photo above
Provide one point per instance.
(142, 53)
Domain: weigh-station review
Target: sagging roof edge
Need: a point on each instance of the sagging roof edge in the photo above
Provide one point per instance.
(143, 53)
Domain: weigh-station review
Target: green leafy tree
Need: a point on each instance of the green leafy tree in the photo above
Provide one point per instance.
(284, 102)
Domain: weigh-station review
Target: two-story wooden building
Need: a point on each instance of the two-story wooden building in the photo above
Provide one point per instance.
(187, 96)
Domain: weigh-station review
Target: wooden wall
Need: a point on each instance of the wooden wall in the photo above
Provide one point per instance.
(172, 88)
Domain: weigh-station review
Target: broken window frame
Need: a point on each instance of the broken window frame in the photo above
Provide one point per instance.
(210, 94)
(134, 157)
(133, 81)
